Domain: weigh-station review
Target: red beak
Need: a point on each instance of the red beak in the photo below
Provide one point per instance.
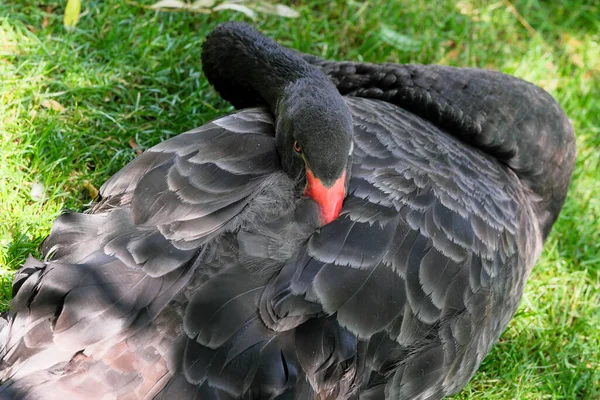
(329, 199)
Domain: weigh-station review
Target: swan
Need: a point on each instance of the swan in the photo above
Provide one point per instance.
(355, 231)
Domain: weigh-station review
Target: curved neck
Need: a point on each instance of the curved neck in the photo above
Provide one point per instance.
(248, 69)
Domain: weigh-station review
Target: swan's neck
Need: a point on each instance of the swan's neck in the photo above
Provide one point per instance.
(249, 69)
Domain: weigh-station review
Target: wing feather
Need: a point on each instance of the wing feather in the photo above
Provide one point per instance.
(410, 265)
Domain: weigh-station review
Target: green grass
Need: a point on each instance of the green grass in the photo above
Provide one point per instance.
(129, 72)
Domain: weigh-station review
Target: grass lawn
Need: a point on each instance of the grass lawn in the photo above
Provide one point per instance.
(70, 102)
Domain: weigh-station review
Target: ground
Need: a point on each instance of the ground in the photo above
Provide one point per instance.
(72, 104)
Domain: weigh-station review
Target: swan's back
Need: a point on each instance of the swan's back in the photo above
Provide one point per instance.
(511, 120)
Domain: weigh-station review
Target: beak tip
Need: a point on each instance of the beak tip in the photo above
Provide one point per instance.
(329, 199)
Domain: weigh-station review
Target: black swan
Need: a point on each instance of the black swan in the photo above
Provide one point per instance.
(371, 246)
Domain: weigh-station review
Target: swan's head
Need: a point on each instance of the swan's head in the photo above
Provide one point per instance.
(314, 125)
(314, 140)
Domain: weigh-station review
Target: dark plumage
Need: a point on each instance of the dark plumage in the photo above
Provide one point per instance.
(203, 273)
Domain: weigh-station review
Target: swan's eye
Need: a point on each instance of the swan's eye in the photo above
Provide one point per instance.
(297, 147)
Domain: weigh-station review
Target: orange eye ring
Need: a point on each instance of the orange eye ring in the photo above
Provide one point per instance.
(297, 147)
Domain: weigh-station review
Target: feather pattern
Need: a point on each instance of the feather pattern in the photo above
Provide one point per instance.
(201, 274)
(483, 108)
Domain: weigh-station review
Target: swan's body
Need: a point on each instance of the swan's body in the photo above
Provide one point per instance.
(202, 274)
